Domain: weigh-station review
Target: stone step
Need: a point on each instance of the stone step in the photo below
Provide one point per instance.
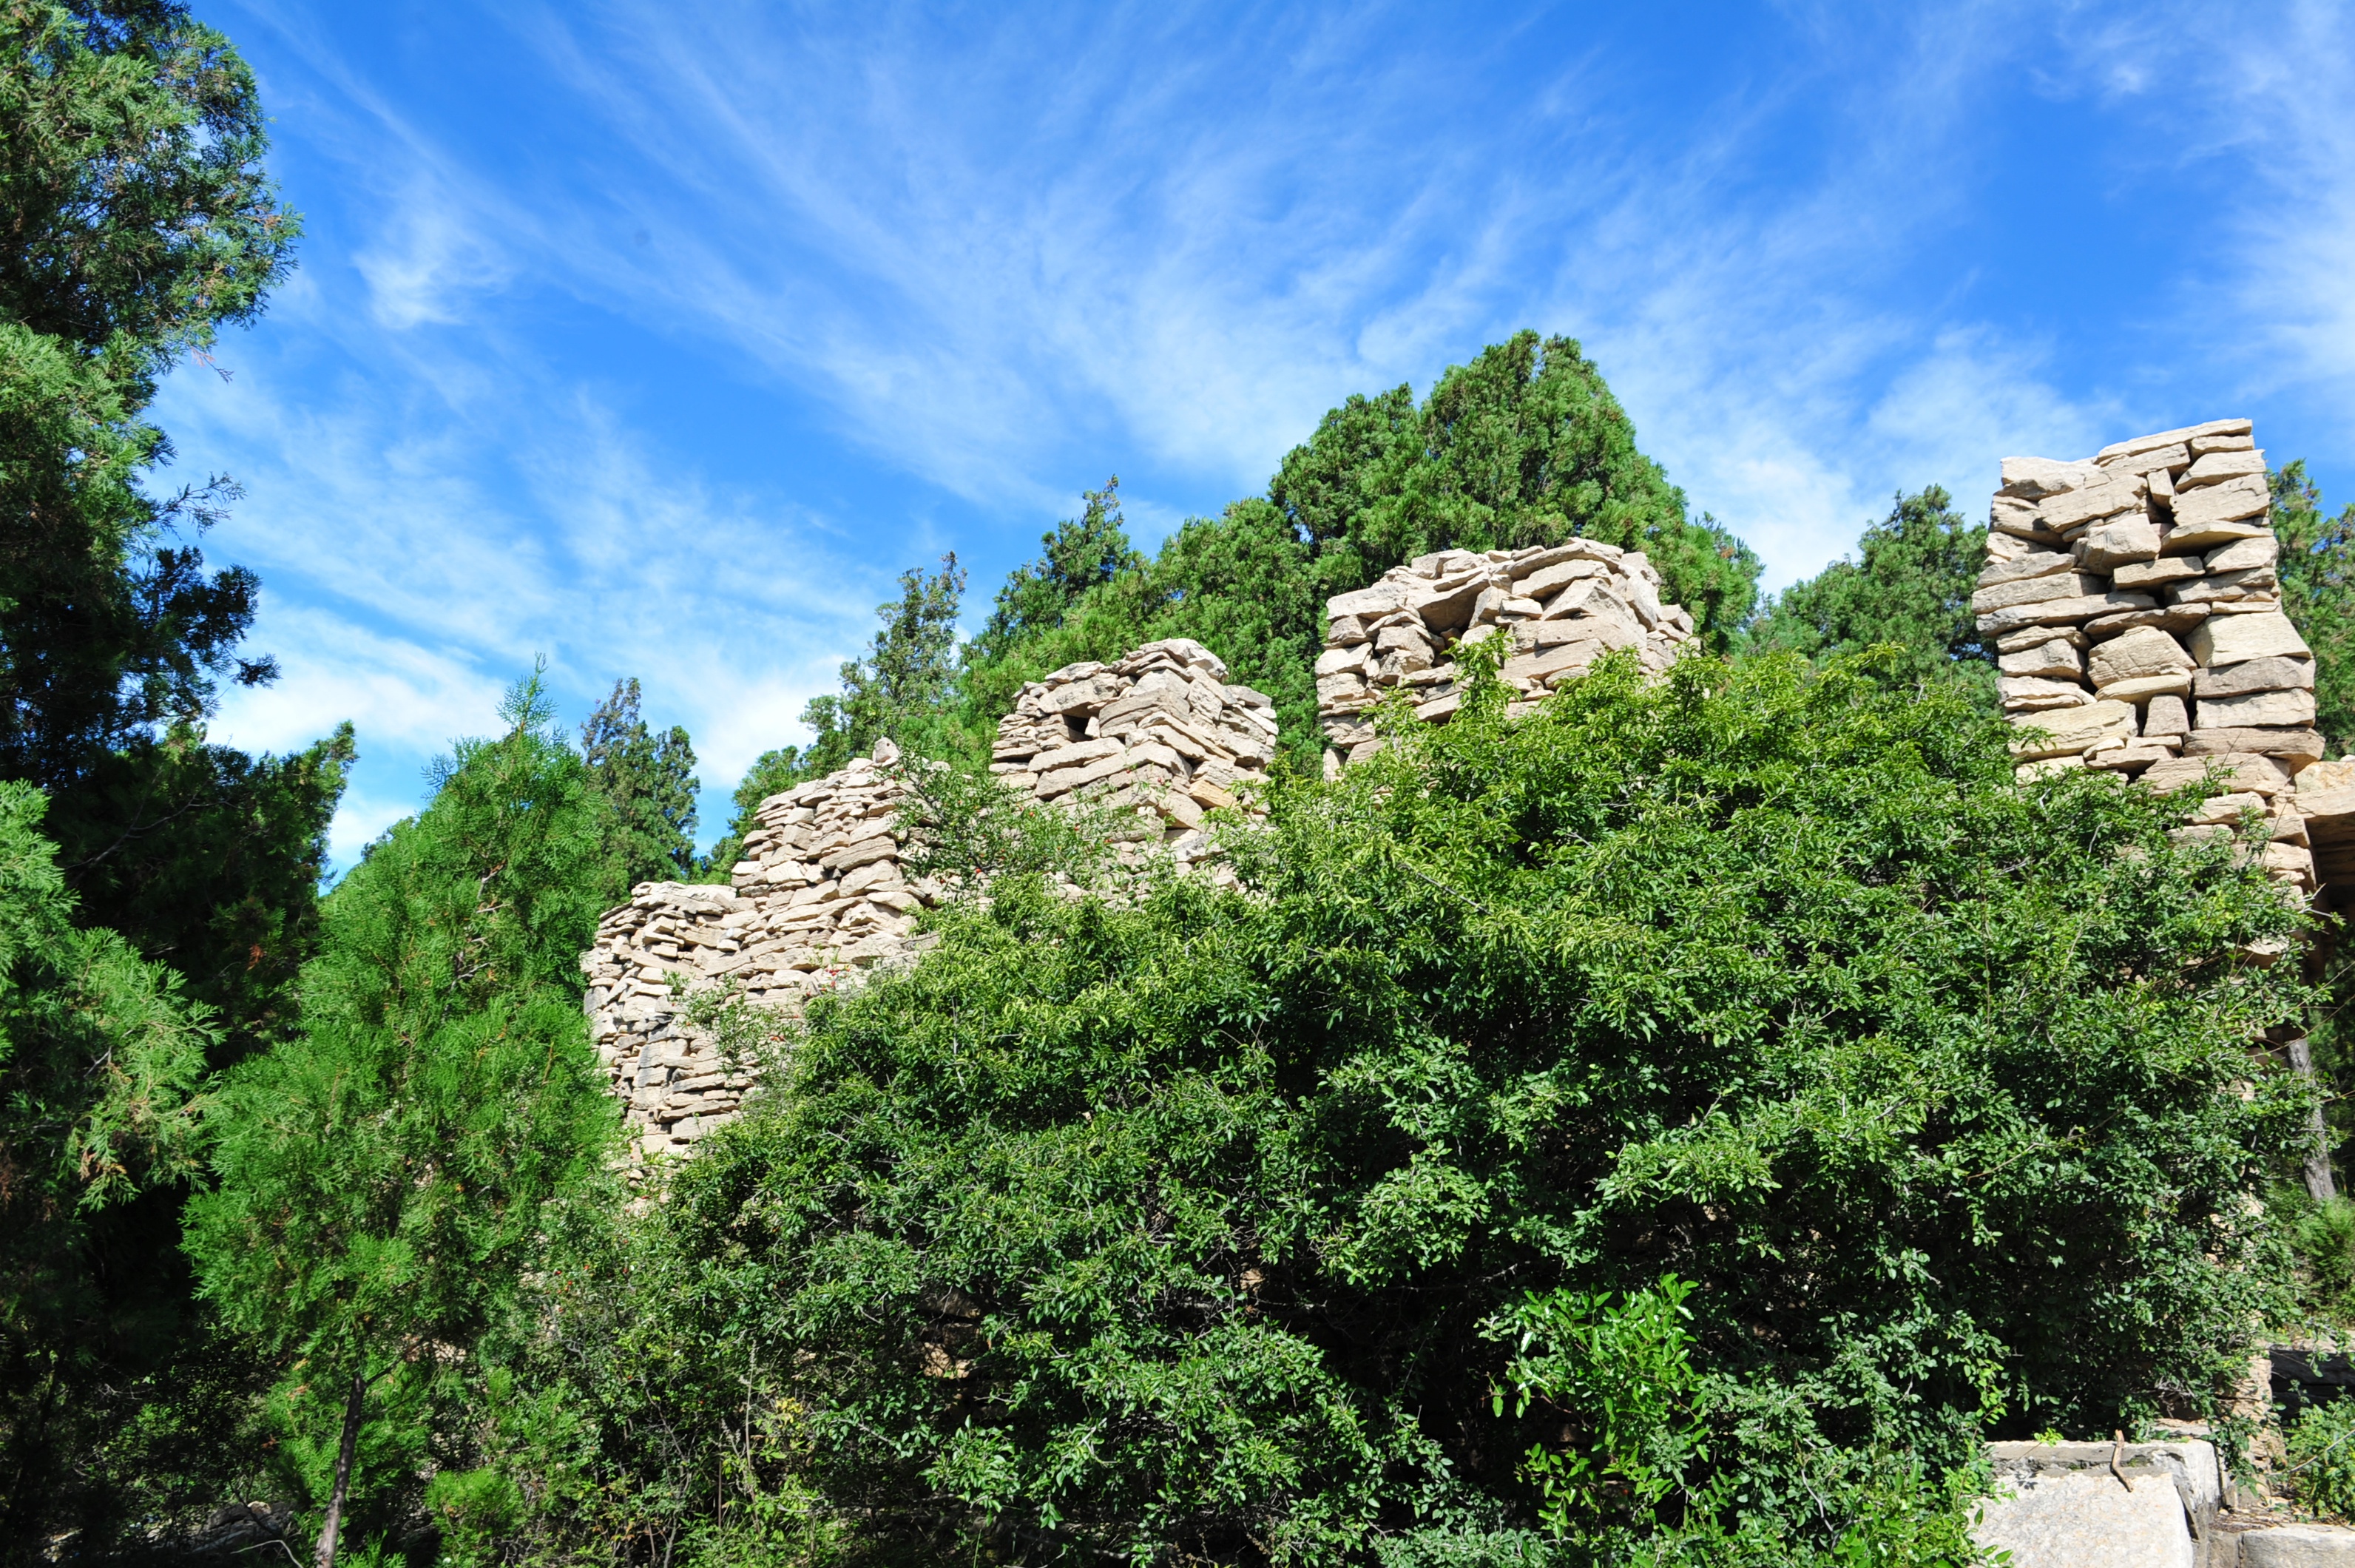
(2296, 1546)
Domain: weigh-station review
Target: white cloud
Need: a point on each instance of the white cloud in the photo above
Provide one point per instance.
(398, 694)
(1006, 254)
(430, 254)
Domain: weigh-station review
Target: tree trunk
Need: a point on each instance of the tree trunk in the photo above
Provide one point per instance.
(2319, 1185)
(352, 1406)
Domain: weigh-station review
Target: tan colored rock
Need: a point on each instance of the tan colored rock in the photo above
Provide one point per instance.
(2327, 778)
(2202, 445)
(1380, 599)
(2026, 694)
(2136, 655)
(2173, 619)
(2011, 517)
(2170, 437)
(2244, 555)
(2293, 749)
(2273, 710)
(2034, 563)
(2108, 545)
(2142, 688)
(2229, 807)
(2090, 503)
(2229, 501)
(2154, 462)
(2230, 640)
(2207, 537)
(2035, 636)
(2256, 675)
(2164, 716)
(2033, 478)
(2070, 732)
(2247, 771)
(2148, 575)
(2035, 590)
(2061, 612)
(2228, 587)
(2053, 660)
(2217, 466)
(1547, 580)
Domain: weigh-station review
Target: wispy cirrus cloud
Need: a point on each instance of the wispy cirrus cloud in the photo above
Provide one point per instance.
(658, 341)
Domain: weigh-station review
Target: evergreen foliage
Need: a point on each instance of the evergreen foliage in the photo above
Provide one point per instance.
(2318, 586)
(377, 1179)
(771, 772)
(1204, 1221)
(1910, 587)
(1082, 553)
(1525, 445)
(139, 221)
(902, 688)
(101, 1058)
(649, 781)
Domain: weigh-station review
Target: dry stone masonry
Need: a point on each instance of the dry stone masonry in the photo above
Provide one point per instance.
(2135, 613)
(1161, 730)
(821, 893)
(1563, 605)
(2132, 600)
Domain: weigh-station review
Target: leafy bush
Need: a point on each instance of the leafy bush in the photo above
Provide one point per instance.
(1169, 1223)
(2322, 1458)
(2321, 1240)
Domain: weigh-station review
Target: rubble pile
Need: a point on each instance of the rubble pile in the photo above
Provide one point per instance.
(1564, 607)
(823, 894)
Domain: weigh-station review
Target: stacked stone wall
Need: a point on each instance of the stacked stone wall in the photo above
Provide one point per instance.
(1563, 605)
(823, 892)
(2134, 603)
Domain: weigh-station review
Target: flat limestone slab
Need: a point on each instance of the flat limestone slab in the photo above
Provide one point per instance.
(2298, 1546)
(2085, 1519)
(2058, 1505)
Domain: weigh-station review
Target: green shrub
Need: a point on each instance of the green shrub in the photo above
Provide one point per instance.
(2322, 1458)
(1168, 1224)
(2322, 1238)
(474, 1508)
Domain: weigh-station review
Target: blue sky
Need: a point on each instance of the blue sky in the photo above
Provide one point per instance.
(659, 338)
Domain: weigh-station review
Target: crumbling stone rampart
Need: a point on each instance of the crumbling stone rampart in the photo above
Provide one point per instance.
(2135, 606)
(823, 892)
(2132, 599)
(1564, 607)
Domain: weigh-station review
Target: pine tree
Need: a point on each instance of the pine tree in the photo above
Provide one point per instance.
(2318, 585)
(1523, 446)
(100, 1058)
(772, 774)
(1081, 554)
(649, 780)
(377, 1178)
(900, 689)
(1911, 585)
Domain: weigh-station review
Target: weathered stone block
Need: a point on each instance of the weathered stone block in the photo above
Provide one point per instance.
(2289, 706)
(2236, 639)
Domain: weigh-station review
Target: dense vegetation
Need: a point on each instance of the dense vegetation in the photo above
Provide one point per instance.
(1678, 1126)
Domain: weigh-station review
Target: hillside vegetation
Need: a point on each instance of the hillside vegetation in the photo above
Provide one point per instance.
(1677, 1124)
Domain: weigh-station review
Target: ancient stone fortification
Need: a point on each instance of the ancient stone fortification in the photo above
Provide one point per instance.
(821, 893)
(2132, 599)
(2135, 611)
(1564, 607)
